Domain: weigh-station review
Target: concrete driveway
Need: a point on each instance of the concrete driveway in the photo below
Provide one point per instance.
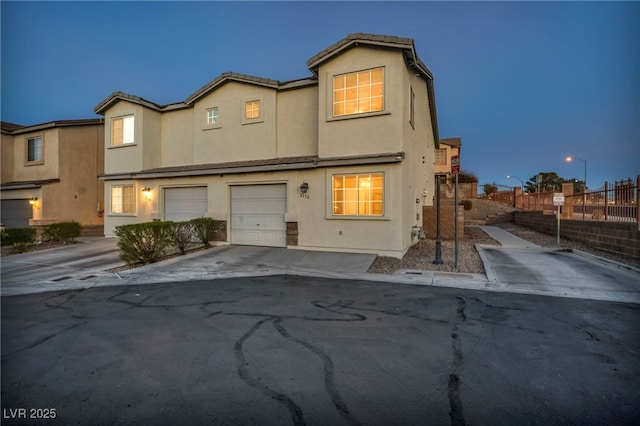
(298, 350)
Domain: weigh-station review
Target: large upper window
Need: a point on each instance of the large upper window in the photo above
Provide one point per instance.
(34, 150)
(252, 110)
(122, 130)
(441, 156)
(358, 195)
(122, 199)
(358, 92)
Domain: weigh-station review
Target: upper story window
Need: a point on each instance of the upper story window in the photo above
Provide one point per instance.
(358, 92)
(441, 156)
(35, 150)
(212, 117)
(122, 130)
(252, 110)
(122, 199)
(358, 195)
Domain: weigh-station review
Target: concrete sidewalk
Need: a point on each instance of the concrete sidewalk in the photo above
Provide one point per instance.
(517, 266)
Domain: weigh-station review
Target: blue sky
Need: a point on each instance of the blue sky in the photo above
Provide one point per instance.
(524, 84)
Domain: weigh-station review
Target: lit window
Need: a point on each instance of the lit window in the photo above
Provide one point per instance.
(441, 156)
(252, 110)
(358, 92)
(358, 195)
(212, 116)
(34, 150)
(122, 130)
(122, 199)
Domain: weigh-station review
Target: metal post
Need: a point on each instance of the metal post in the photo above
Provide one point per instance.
(558, 237)
(438, 259)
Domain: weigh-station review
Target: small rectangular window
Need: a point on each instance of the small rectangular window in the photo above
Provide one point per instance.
(358, 195)
(122, 199)
(212, 116)
(441, 156)
(252, 110)
(122, 130)
(34, 150)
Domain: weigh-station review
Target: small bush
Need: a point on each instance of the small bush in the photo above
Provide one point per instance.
(181, 235)
(62, 231)
(19, 238)
(468, 204)
(204, 229)
(143, 243)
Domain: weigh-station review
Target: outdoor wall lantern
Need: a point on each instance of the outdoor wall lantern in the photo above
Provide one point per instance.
(33, 200)
(146, 191)
(304, 187)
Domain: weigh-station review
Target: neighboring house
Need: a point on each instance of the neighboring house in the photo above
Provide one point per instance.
(339, 161)
(50, 173)
(448, 148)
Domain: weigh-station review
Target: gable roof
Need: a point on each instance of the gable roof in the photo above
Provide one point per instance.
(408, 49)
(16, 129)
(454, 142)
(406, 45)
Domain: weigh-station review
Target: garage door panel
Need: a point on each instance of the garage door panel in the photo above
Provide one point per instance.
(15, 213)
(257, 215)
(183, 204)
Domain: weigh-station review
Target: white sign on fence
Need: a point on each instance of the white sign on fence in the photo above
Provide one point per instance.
(558, 199)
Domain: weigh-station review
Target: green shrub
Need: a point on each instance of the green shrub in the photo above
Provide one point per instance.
(19, 238)
(181, 235)
(468, 204)
(143, 243)
(62, 231)
(204, 229)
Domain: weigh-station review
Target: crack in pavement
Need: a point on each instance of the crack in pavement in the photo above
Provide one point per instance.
(453, 389)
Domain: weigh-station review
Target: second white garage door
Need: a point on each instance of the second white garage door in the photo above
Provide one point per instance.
(182, 204)
(257, 215)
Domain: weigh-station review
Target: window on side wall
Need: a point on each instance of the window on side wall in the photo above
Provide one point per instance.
(122, 199)
(441, 157)
(122, 131)
(35, 150)
(358, 93)
(358, 194)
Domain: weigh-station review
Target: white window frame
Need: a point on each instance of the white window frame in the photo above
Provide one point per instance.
(40, 145)
(128, 130)
(367, 204)
(212, 116)
(343, 95)
(117, 201)
(260, 117)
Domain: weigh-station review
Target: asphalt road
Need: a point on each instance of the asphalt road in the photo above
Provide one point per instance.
(297, 350)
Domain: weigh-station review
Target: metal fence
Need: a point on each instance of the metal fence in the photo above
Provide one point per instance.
(613, 202)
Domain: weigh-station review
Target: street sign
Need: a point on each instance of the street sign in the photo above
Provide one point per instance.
(558, 199)
(455, 164)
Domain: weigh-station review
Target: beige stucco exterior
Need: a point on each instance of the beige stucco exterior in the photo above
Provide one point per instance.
(65, 182)
(295, 140)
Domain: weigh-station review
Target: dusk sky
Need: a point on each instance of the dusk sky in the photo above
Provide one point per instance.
(524, 84)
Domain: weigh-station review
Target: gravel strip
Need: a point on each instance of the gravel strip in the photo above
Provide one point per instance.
(421, 255)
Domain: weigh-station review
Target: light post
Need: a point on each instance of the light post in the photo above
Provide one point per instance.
(584, 190)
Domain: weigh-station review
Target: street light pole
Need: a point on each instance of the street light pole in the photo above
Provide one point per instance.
(584, 190)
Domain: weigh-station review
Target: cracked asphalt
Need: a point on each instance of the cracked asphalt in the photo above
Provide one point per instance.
(286, 349)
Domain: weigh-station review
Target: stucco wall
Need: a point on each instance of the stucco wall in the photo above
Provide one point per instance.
(48, 169)
(357, 135)
(124, 158)
(297, 124)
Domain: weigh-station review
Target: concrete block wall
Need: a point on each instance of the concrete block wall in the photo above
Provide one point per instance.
(621, 238)
(447, 221)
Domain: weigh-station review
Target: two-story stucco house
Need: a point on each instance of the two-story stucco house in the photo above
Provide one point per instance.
(339, 161)
(50, 174)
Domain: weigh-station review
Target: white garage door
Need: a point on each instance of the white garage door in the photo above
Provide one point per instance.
(182, 204)
(257, 215)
